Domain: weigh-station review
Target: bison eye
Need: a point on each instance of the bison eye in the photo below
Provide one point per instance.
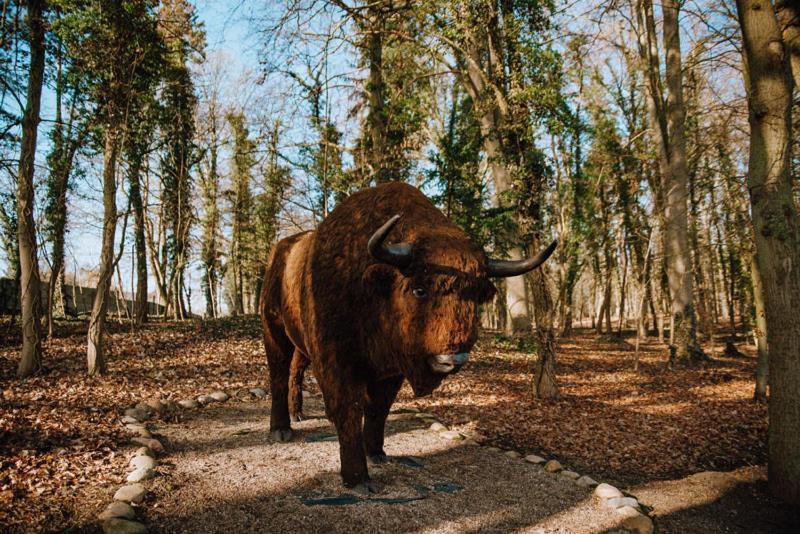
(419, 292)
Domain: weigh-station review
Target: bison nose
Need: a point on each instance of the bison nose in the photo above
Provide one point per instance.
(447, 363)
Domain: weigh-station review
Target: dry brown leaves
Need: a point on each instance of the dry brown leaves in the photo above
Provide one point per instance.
(611, 421)
(60, 444)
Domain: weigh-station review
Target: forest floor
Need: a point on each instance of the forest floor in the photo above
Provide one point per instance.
(689, 442)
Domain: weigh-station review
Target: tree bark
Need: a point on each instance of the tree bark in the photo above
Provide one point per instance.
(30, 293)
(95, 355)
(135, 192)
(777, 236)
(762, 367)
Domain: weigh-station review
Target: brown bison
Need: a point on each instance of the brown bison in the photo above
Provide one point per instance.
(385, 290)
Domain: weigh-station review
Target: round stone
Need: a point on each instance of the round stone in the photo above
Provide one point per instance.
(131, 493)
(586, 482)
(188, 403)
(453, 435)
(619, 502)
(142, 462)
(220, 396)
(128, 420)
(640, 524)
(118, 509)
(136, 413)
(533, 459)
(513, 454)
(258, 392)
(144, 451)
(152, 444)
(116, 525)
(553, 466)
(438, 427)
(137, 475)
(607, 491)
(572, 475)
(627, 511)
(205, 399)
(139, 430)
(493, 449)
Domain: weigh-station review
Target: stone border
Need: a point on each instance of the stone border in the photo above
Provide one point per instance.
(119, 517)
(627, 507)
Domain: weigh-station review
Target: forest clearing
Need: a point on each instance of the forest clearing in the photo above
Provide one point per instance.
(627, 428)
(393, 265)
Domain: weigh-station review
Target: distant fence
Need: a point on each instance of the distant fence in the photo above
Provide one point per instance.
(78, 300)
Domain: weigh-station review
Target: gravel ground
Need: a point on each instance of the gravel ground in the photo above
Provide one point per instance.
(222, 474)
(711, 502)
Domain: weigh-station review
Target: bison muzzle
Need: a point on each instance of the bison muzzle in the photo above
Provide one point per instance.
(386, 289)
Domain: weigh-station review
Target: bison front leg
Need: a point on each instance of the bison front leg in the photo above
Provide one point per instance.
(379, 399)
(296, 372)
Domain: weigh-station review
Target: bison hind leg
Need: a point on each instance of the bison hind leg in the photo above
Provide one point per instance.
(299, 365)
(279, 357)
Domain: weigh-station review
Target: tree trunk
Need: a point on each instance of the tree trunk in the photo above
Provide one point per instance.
(544, 377)
(30, 294)
(777, 236)
(95, 356)
(676, 178)
(376, 119)
(760, 334)
(135, 192)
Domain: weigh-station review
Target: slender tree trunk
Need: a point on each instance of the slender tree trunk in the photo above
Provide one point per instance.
(679, 260)
(30, 294)
(376, 119)
(135, 192)
(95, 356)
(777, 236)
(544, 377)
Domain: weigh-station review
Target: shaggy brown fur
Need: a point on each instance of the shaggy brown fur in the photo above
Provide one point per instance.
(360, 323)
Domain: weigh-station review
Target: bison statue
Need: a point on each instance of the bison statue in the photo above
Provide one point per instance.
(386, 289)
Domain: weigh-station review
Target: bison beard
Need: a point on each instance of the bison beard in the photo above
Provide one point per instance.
(370, 299)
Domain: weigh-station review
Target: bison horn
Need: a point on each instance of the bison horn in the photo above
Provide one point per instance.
(505, 268)
(397, 254)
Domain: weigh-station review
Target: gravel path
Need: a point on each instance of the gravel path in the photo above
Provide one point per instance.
(223, 474)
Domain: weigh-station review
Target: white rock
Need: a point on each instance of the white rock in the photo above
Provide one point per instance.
(640, 524)
(188, 403)
(586, 482)
(220, 396)
(619, 502)
(553, 466)
(127, 419)
(131, 493)
(493, 449)
(438, 427)
(533, 459)
(572, 475)
(136, 413)
(423, 415)
(607, 491)
(142, 462)
(116, 525)
(137, 475)
(144, 451)
(452, 434)
(139, 430)
(118, 509)
(205, 399)
(627, 511)
(513, 454)
(258, 392)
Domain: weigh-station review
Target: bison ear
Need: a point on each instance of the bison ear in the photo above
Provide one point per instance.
(378, 279)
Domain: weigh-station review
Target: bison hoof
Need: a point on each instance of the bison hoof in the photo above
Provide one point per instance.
(376, 459)
(366, 488)
(296, 418)
(281, 436)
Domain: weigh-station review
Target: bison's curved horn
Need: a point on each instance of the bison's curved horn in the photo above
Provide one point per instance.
(505, 268)
(397, 254)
